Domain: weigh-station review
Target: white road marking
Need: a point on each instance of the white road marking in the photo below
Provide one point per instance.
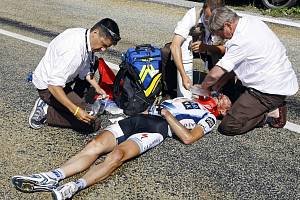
(24, 38)
(274, 20)
(290, 126)
(43, 44)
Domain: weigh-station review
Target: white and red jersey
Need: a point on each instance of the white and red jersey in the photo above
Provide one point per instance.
(147, 131)
(189, 113)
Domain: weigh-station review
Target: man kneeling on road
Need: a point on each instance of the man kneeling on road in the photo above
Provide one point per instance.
(259, 61)
(70, 57)
(124, 140)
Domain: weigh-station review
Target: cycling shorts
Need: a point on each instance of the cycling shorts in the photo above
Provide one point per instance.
(146, 130)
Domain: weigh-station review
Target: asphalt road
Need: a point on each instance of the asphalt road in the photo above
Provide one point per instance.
(262, 164)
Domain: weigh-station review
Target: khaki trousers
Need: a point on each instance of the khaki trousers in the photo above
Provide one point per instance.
(58, 115)
(249, 111)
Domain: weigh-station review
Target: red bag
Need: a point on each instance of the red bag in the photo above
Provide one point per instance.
(107, 77)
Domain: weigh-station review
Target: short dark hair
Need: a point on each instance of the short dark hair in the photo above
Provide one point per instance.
(213, 4)
(108, 28)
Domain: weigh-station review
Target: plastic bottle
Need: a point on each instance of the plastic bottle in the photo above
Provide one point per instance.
(113, 108)
(29, 77)
(197, 90)
(98, 106)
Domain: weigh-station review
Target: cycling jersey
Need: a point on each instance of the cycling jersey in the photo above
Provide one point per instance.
(150, 130)
(190, 113)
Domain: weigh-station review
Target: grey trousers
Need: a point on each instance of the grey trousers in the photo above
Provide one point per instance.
(59, 115)
(249, 111)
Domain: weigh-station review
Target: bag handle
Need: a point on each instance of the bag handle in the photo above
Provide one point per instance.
(144, 46)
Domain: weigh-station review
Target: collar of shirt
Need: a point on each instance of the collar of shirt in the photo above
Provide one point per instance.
(239, 28)
(90, 54)
(88, 41)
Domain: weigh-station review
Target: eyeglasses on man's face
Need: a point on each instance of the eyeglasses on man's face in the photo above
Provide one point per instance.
(115, 38)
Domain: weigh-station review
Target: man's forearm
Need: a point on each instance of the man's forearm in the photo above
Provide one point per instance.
(212, 77)
(214, 49)
(177, 57)
(92, 81)
(60, 95)
(223, 80)
(208, 82)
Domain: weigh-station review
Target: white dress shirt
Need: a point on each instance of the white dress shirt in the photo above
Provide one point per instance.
(66, 57)
(259, 59)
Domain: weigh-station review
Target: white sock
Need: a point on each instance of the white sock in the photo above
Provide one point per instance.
(81, 183)
(56, 174)
(45, 108)
(274, 113)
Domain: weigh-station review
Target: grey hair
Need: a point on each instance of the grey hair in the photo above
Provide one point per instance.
(219, 16)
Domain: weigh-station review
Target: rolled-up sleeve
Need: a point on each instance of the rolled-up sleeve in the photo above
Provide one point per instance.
(233, 56)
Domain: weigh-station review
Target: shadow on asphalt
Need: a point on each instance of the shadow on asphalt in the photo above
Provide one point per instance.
(294, 106)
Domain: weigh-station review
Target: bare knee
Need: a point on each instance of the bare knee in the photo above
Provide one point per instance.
(115, 158)
(94, 147)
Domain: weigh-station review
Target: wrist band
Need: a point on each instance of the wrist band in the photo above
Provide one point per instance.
(76, 111)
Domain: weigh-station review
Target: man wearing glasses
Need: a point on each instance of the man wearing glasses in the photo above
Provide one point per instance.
(258, 58)
(70, 59)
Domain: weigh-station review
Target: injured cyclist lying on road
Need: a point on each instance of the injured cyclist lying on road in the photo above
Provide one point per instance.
(124, 140)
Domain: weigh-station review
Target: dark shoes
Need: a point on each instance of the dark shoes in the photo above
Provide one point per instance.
(281, 120)
(37, 117)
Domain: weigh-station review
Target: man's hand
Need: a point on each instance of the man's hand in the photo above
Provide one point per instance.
(164, 112)
(197, 89)
(186, 82)
(84, 116)
(195, 46)
(198, 47)
(212, 77)
(94, 83)
(99, 90)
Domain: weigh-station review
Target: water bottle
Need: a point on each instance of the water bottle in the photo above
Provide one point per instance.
(99, 106)
(197, 90)
(29, 77)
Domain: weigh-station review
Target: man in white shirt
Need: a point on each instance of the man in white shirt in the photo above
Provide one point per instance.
(259, 60)
(70, 55)
(183, 45)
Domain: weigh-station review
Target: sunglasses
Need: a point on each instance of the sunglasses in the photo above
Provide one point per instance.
(116, 38)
